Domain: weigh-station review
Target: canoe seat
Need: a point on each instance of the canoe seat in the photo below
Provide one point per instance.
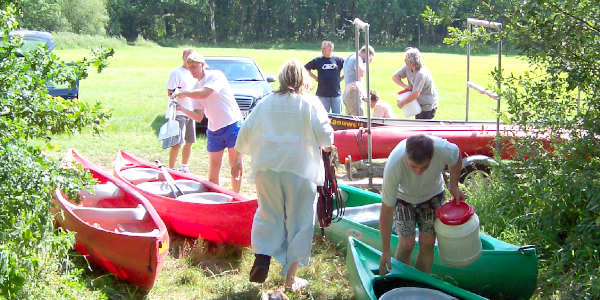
(162, 188)
(110, 215)
(101, 191)
(206, 198)
(138, 175)
(365, 214)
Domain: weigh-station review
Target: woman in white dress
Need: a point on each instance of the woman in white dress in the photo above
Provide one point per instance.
(284, 136)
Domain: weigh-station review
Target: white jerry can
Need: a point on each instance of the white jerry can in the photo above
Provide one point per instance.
(457, 230)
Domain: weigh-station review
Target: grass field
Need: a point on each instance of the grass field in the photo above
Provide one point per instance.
(133, 88)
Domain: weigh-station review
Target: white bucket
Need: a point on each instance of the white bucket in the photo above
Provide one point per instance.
(459, 245)
(415, 293)
(411, 108)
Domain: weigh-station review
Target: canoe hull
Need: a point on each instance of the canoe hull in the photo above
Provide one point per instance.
(136, 257)
(476, 139)
(504, 271)
(229, 222)
(362, 262)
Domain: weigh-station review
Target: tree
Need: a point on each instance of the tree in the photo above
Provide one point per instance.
(553, 199)
(29, 245)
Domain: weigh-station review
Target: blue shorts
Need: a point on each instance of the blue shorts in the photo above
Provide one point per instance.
(222, 138)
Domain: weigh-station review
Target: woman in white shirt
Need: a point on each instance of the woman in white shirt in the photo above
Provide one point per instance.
(284, 135)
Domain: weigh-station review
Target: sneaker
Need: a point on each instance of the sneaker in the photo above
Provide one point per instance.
(184, 169)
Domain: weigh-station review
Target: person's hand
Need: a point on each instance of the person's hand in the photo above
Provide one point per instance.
(385, 263)
(457, 195)
(176, 94)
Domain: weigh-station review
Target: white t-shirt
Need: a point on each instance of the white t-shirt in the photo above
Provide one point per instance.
(399, 181)
(220, 106)
(181, 78)
(284, 133)
(383, 109)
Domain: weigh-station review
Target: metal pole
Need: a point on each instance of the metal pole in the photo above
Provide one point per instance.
(468, 73)
(498, 98)
(370, 138)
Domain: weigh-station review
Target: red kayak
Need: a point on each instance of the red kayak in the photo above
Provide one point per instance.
(197, 208)
(115, 227)
(471, 139)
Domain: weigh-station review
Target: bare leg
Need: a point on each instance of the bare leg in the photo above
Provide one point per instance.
(214, 166)
(425, 254)
(235, 162)
(405, 248)
(186, 153)
(173, 155)
(291, 281)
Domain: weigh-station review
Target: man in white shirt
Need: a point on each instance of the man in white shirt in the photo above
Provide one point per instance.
(413, 187)
(215, 96)
(181, 78)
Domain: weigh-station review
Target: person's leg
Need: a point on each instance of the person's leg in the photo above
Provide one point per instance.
(299, 205)
(424, 260)
(214, 166)
(336, 105)
(405, 222)
(268, 236)
(235, 162)
(173, 152)
(425, 214)
(326, 101)
(190, 139)
(292, 282)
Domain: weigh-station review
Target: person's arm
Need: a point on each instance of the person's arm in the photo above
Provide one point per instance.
(453, 182)
(196, 114)
(388, 199)
(398, 80)
(385, 229)
(196, 93)
(315, 77)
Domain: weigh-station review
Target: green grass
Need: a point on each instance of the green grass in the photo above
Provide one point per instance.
(133, 88)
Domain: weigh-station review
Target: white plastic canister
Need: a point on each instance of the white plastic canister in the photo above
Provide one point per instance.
(411, 108)
(457, 230)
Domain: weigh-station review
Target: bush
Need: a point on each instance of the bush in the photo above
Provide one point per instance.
(29, 246)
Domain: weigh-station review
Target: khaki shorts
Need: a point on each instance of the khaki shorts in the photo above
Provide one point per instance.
(352, 98)
(407, 216)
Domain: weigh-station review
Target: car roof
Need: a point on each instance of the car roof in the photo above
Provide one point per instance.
(35, 35)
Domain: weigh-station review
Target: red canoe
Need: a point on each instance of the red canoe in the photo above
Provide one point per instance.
(470, 139)
(206, 210)
(115, 228)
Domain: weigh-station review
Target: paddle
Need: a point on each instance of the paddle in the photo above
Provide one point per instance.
(170, 182)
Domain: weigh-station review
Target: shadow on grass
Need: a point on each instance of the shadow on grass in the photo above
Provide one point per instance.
(98, 279)
(158, 121)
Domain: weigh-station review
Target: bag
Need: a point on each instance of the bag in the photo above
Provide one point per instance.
(169, 132)
(411, 108)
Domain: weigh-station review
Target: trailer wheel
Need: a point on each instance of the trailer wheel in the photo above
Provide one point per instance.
(475, 176)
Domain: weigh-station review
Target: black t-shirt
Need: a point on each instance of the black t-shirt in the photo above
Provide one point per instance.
(328, 74)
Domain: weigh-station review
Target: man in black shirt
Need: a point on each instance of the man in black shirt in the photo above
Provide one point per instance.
(328, 68)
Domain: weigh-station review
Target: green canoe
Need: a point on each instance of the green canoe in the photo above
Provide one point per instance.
(504, 271)
(362, 262)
